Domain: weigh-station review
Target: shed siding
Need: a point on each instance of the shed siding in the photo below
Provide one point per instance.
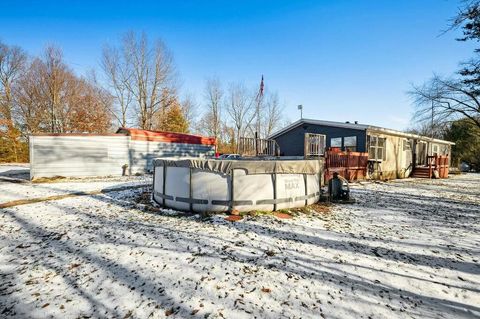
(141, 153)
(292, 142)
(77, 155)
(83, 156)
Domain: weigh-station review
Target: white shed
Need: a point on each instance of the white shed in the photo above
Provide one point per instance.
(129, 150)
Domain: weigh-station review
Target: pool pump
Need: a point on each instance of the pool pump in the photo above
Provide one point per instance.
(338, 189)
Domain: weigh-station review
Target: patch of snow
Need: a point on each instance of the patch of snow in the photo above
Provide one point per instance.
(10, 191)
(406, 249)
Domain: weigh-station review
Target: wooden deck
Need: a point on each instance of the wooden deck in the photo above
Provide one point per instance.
(434, 163)
(350, 165)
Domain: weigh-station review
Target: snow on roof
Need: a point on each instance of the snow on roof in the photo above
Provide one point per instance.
(355, 126)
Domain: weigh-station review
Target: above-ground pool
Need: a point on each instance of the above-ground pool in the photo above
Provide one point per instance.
(200, 185)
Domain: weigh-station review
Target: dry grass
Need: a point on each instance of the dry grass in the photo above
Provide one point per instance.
(62, 196)
(62, 179)
(53, 179)
(317, 208)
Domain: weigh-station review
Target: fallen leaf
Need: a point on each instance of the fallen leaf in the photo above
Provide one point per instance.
(233, 218)
(73, 266)
(283, 215)
(270, 253)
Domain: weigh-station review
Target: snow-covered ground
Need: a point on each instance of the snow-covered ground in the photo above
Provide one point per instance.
(406, 249)
(15, 170)
(15, 184)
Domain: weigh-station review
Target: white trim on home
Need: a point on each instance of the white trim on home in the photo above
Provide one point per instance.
(369, 128)
(318, 122)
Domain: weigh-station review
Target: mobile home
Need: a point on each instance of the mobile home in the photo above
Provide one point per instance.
(391, 153)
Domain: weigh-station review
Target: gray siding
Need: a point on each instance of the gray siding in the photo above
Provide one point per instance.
(141, 153)
(77, 155)
(82, 156)
(292, 142)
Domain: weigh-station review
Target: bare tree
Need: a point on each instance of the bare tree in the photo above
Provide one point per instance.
(31, 110)
(44, 95)
(445, 100)
(226, 141)
(90, 109)
(240, 106)
(119, 75)
(269, 117)
(141, 73)
(204, 125)
(12, 62)
(272, 115)
(425, 128)
(240, 118)
(49, 97)
(54, 81)
(212, 121)
(189, 110)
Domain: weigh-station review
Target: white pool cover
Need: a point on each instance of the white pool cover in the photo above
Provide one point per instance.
(221, 185)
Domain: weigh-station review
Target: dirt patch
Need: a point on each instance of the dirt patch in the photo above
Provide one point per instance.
(283, 215)
(317, 208)
(233, 218)
(145, 198)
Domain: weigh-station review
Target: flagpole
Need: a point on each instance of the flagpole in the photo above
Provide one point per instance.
(257, 128)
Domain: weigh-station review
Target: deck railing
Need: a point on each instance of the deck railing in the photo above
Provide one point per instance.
(438, 163)
(350, 165)
(250, 146)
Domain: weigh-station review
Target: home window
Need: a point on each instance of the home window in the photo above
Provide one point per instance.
(376, 148)
(445, 150)
(336, 142)
(314, 144)
(350, 143)
(435, 149)
(407, 145)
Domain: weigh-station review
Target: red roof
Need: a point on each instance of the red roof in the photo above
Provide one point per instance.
(167, 137)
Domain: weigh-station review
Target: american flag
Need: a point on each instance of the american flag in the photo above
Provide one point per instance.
(261, 87)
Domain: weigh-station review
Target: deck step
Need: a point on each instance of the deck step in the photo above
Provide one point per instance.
(421, 172)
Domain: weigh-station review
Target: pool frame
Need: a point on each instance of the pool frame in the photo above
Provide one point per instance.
(240, 185)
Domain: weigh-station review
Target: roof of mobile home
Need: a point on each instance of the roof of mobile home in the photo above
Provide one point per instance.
(147, 135)
(168, 137)
(355, 126)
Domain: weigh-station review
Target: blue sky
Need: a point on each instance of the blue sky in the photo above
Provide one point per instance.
(343, 60)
